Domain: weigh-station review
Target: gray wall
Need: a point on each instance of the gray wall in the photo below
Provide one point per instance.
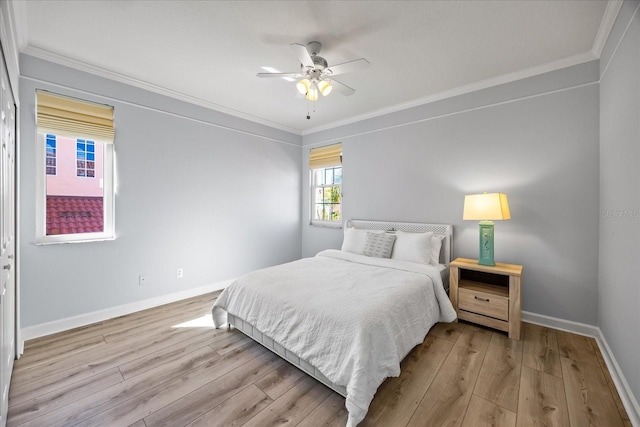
(535, 139)
(214, 194)
(619, 266)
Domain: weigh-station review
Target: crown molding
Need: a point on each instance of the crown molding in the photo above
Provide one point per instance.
(11, 34)
(19, 9)
(606, 25)
(461, 90)
(121, 78)
(611, 12)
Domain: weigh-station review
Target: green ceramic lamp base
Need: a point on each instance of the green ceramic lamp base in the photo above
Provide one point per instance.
(486, 244)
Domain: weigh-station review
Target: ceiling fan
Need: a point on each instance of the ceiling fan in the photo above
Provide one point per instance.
(316, 75)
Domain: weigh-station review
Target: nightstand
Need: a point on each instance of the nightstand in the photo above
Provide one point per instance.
(489, 296)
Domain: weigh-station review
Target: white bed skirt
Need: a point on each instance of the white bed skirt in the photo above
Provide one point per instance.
(253, 333)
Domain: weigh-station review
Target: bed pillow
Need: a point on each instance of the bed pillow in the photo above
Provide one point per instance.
(379, 245)
(436, 245)
(355, 239)
(412, 247)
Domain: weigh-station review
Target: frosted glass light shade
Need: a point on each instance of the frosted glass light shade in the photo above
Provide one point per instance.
(312, 94)
(303, 86)
(486, 207)
(324, 87)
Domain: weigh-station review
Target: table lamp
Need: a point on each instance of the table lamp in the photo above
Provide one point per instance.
(486, 208)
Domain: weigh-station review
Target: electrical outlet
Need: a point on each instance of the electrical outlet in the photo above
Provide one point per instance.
(143, 279)
(180, 272)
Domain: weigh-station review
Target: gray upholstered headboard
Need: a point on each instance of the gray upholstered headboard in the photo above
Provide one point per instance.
(446, 230)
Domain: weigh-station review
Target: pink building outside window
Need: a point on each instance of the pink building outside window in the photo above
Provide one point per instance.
(75, 194)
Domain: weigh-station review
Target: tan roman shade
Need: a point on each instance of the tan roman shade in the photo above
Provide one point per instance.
(325, 157)
(74, 118)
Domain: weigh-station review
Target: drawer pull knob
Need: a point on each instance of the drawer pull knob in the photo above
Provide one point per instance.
(481, 299)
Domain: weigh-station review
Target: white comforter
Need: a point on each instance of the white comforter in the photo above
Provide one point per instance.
(351, 316)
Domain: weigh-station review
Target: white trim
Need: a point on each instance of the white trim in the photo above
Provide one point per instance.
(112, 75)
(461, 90)
(619, 42)
(452, 113)
(10, 33)
(146, 107)
(20, 21)
(606, 25)
(18, 239)
(561, 324)
(60, 325)
(613, 7)
(626, 395)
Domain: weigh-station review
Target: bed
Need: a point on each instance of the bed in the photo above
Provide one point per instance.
(348, 317)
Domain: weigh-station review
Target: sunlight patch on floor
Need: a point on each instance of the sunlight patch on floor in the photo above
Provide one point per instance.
(205, 321)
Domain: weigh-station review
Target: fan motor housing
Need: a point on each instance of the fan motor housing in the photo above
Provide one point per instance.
(314, 48)
(319, 62)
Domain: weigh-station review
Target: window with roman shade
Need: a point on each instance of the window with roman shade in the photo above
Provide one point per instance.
(75, 145)
(65, 116)
(327, 156)
(325, 164)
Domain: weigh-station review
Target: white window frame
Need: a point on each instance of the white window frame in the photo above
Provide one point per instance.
(108, 232)
(314, 187)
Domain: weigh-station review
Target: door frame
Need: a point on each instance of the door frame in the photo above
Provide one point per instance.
(11, 13)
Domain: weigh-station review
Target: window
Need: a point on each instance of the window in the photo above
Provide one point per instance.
(325, 164)
(85, 158)
(76, 182)
(51, 154)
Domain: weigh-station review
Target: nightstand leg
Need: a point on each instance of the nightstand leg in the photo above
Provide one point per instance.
(515, 308)
(454, 276)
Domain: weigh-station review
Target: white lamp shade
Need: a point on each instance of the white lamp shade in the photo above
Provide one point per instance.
(486, 207)
(324, 87)
(303, 86)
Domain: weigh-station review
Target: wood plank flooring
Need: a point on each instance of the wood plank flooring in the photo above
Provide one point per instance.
(167, 366)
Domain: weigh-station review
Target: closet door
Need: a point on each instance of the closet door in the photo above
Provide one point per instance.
(7, 237)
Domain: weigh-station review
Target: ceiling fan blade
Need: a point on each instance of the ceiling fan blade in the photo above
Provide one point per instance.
(279, 75)
(342, 88)
(302, 54)
(347, 67)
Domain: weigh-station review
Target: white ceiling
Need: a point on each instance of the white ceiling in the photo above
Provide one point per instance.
(209, 52)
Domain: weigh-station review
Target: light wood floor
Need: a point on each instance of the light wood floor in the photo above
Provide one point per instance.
(159, 367)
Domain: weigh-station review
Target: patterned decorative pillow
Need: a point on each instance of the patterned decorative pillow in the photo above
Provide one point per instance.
(379, 245)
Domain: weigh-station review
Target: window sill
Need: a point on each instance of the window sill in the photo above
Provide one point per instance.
(334, 225)
(46, 242)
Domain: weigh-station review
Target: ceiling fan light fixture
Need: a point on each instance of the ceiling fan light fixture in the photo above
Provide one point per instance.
(303, 86)
(312, 94)
(314, 74)
(324, 87)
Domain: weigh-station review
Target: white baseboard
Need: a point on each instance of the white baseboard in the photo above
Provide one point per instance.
(629, 401)
(626, 395)
(561, 324)
(55, 326)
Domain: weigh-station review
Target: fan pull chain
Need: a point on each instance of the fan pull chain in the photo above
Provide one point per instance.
(314, 110)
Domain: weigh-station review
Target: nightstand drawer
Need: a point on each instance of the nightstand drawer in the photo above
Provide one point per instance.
(489, 304)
